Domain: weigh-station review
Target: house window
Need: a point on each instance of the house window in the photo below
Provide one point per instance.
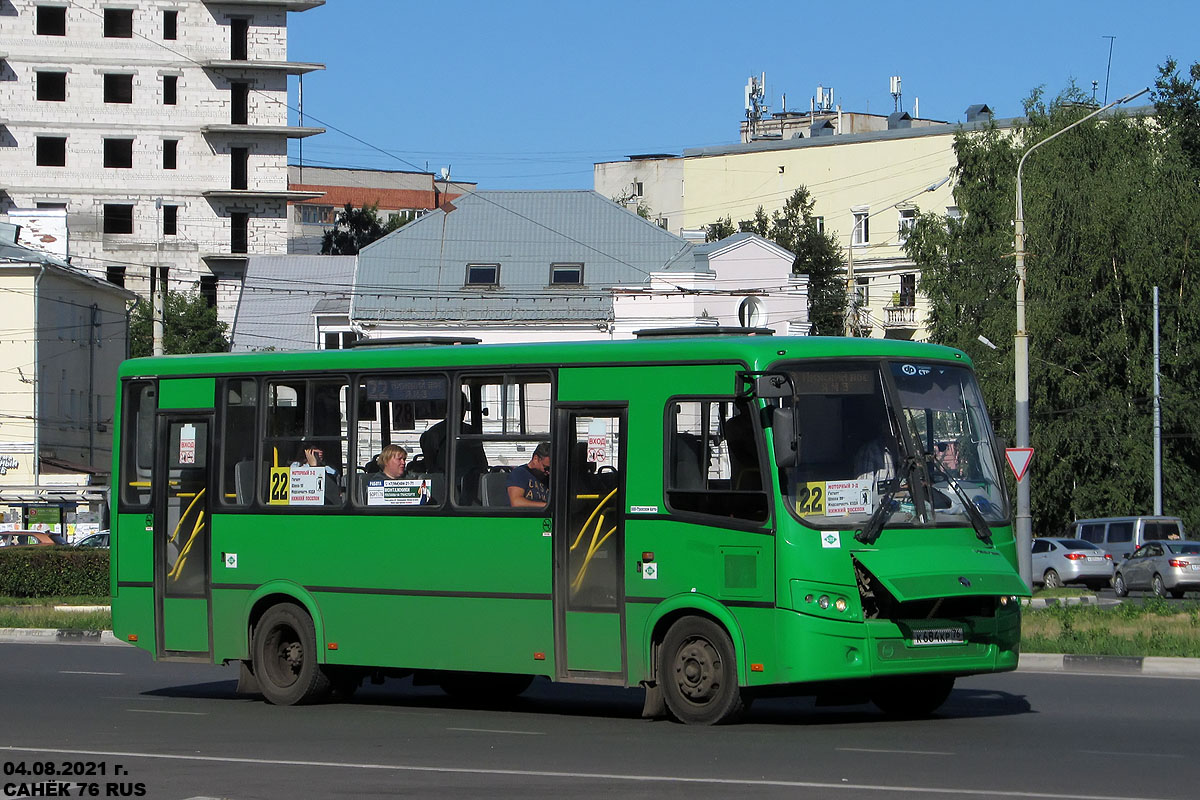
(170, 153)
(637, 188)
(170, 220)
(483, 274)
(908, 218)
(118, 88)
(239, 167)
(953, 212)
(116, 276)
(239, 39)
(170, 90)
(118, 153)
(118, 23)
(170, 25)
(662, 222)
(566, 274)
(316, 215)
(118, 218)
(863, 291)
(862, 228)
(51, 21)
(52, 204)
(819, 223)
(338, 340)
(239, 103)
(908, 289)
(208, 289)
(52, 86)
(51, 151)
(239, 232)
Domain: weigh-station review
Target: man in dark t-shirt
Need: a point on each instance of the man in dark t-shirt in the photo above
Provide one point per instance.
(529, 484)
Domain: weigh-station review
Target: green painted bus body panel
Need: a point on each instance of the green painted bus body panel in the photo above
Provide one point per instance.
(405, 591)
(185, 624)
(133, 615)
(187, 393)
(918, 572)
(594, 641)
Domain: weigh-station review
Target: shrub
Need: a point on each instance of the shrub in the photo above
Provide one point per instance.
(51, 571)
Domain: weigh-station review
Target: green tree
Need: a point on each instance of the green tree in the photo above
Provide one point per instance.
(1111, 210)
(818, 256)
(355, 228)
(190, 325)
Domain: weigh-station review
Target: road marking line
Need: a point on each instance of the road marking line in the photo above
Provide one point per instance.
(84, 672)
(591, 776)
(490, 730)
(902, 752)
(156, 711)
(1134, 755)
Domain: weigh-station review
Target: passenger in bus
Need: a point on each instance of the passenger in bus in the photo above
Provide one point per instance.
(391, 463)
(313, 455)
(529, 484)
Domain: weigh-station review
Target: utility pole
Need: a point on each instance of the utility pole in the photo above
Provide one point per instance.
(1157, 420)
(157, 290)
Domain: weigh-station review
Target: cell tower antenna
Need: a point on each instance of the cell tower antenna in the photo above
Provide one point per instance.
(756, 105)
(896, 93)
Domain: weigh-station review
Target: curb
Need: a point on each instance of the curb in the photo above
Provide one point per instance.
(1044, 602)
(57, 636)
(1156, 666)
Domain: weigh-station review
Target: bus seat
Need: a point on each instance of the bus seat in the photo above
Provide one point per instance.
(360, 487)
(493, 488)
(243, 482)
(689, 468)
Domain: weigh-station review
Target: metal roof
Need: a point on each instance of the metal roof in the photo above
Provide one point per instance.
(280, 294)
(419, 272)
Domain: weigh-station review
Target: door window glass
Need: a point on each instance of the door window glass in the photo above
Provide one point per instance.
(714, 463)
(594, 512)
(186, 525)
(137, 445)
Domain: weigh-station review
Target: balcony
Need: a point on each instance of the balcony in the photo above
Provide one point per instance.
(230, 129)
(287, 5)
(259, 194)
(900, 317)
(289, 67)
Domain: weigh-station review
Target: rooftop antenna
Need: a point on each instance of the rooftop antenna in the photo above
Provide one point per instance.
(1108, 70)
(756, 106)
(824, 99)
(896, 93)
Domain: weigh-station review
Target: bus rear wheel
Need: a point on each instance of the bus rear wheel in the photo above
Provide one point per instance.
(697, 670)
(911, 697)
(285, 657)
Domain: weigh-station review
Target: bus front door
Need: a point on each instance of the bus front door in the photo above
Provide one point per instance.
(589, 495)
(182, 560)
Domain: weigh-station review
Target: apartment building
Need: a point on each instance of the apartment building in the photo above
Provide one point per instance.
(868, 182)
(161, 126)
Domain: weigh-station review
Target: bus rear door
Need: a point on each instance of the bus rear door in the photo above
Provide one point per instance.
(182, 527)
(588, 493)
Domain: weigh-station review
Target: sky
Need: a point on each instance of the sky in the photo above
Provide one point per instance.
(529, 95)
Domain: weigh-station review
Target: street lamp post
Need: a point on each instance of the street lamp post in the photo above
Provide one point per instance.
(1024, 520)
(851, 312)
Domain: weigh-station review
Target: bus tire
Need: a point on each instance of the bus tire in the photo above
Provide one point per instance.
(285, 657)
(697, 670)
(911, 697)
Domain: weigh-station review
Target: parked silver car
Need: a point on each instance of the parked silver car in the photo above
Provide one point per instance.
(1057, 562)
(1162, 567)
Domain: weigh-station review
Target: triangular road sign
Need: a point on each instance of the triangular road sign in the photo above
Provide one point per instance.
(1018, 460)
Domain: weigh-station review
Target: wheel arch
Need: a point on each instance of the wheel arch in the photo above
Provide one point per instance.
(691, 604)
(275, 592)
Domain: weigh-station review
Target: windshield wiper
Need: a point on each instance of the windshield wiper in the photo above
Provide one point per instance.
(977, 521)
(869, 533)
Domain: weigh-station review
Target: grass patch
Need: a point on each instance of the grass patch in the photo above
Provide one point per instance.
(46, 617)
(1063, 591)
(65, 600)
(1155, 628)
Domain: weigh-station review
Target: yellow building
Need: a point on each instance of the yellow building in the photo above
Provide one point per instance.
(867, 189)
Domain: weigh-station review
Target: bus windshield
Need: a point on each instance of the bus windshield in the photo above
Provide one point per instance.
(912, 436)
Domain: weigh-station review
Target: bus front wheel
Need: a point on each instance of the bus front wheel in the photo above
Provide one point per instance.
(697, 670)
(285, 657)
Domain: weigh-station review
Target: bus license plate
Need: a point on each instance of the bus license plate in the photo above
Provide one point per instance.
(938, 636)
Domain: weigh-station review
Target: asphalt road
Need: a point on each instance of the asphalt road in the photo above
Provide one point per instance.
(179, 731)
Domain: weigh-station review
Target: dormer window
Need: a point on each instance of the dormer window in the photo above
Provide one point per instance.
(566, 274)
(483, 275)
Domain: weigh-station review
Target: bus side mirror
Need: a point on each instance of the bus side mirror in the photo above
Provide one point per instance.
(772, 384)
(783, 437)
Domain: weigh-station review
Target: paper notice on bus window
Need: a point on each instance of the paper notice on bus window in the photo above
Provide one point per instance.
(187, 444)
(847, 497)
(397, 493)
(306, 486)
(597, 442)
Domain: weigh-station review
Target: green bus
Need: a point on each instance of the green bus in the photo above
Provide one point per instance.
(728, 516)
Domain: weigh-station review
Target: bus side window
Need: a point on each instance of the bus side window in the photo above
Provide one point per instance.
(713, 460)
(137, 444)
(504, 416)
(302, 417)
(239, 407)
